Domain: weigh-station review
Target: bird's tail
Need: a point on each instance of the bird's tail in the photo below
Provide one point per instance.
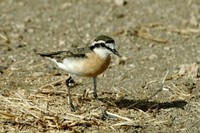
(45, 55)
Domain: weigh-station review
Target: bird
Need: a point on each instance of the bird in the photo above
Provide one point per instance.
(89, 61)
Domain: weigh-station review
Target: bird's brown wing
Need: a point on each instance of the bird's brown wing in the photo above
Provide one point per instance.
(61, 55)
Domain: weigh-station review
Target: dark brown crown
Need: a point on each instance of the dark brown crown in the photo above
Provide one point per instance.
(105, 38)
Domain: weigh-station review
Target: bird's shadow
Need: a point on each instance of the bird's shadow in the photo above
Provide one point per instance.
(144, 105)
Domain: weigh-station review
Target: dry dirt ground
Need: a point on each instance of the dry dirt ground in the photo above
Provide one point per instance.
(159, 42)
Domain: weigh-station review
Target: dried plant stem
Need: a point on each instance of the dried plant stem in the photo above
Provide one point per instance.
(161, 87)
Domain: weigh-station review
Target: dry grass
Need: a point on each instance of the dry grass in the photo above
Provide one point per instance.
(139, 97)
(24, 113)
(46, 109)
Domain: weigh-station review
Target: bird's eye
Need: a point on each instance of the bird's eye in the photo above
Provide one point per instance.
(98, 45)
(102, 45)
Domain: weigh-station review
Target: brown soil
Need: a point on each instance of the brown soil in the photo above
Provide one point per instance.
(159, 41)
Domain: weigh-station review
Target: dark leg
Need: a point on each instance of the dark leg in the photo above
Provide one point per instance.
(68, 81)
(95, 88)
(104, 114)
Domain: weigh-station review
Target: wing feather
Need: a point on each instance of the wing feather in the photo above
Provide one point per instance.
(61, 55)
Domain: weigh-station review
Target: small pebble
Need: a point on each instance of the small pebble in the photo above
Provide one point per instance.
(167, 48)
(38, 39)
(37, 74)
(120, 2)
(30, 30)
(20, 27)
(61, 42)
(152, 68)
(132, 65)
(153, 56)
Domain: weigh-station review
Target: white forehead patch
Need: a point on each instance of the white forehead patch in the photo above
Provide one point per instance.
(110, 45)
(100, 41)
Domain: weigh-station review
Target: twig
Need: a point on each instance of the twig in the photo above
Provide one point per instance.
(4, 37)
(161, 87)
(8, 115)
(51, 84)
(125, 123)
(121, 117)
(19, 107)
(77, 116)
(143, 33)
(27, 104)
(175, 90)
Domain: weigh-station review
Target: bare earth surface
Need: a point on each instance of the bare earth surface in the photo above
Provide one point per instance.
(159, 42)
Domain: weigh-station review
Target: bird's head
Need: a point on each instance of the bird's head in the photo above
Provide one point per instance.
(103, 46)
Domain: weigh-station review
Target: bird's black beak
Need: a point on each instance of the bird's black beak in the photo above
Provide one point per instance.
(115, 52)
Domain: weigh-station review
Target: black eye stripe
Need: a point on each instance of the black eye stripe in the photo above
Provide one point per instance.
(102, 45)
(97, 45)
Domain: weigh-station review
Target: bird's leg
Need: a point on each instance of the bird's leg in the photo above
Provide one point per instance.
(68, 81)
(104, 114)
